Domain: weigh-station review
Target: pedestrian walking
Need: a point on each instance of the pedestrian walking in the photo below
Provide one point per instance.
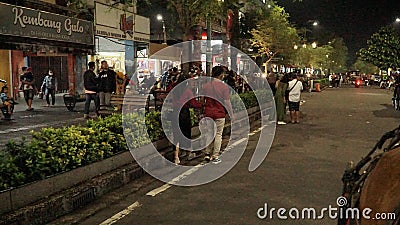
(272, 82)
(218, 93)
(90, 82)
(280, 99)
(107, 86)
(28, 81)
(21, 85)
(183, 99)
(295, 87)
(49, 85)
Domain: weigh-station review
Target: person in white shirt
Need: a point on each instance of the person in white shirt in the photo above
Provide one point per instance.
(295, 87)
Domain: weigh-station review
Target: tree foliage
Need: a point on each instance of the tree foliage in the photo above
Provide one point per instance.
(191, 12)
(274, 34)
(383, 49)
(365, 67)
(338, 56)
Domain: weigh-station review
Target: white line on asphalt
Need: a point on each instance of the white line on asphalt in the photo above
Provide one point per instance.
(173, 181)
(195, 168)
(158, 190)
(165, 187)
(30, 127)
(121, 214)
(257, 130)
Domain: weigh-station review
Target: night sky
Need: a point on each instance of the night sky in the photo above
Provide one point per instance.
(354, 20)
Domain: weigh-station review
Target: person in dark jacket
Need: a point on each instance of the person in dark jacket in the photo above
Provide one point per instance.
(90, 83)
(107, 84)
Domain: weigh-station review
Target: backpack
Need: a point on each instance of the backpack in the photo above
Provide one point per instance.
(50, 82)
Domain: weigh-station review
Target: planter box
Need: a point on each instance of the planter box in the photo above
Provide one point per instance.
(26, 194)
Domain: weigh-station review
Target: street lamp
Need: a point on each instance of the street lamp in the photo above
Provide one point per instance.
(160, 18)
(397, 20)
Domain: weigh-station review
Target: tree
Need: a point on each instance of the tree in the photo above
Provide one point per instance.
(190, 13)
(274, 34)
(365, 67)
(338, 56)
(383, 49)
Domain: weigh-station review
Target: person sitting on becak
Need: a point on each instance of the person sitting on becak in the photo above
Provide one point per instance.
(7, 100)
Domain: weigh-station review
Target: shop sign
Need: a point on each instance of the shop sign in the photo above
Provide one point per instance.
(142, 29)
(126, 24)
(113, 22)
(25, 22)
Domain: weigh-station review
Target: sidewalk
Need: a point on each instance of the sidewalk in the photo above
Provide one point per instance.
(25, 121)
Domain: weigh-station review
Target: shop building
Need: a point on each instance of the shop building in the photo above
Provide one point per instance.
(121, 37)
(43, 40)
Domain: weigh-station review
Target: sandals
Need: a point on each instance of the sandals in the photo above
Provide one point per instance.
(177, 161)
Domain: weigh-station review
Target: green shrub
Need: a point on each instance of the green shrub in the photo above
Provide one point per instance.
(54, 150)
(11, 176)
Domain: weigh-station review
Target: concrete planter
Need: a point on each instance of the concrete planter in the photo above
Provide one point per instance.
(26, 194)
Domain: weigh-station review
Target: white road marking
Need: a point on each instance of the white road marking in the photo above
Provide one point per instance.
(257, 130)
(31, 127)
(173, 181)
(165, 187)
(121, 214)
(195, 168)
(158, 190)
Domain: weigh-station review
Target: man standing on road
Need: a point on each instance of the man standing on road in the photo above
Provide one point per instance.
(219, 93)
(295, 87)
(90, 83)
(107, 78)
(28, 81)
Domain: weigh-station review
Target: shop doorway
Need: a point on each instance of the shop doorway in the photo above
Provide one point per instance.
(58, 64)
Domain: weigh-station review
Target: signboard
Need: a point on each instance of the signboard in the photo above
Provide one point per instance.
(142, 29)
(25, 22)
(113, 22)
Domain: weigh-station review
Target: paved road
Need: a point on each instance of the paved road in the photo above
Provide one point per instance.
(303, 169)
(41, 116)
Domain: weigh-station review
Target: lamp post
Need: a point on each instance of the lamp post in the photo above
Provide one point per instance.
(160, 18)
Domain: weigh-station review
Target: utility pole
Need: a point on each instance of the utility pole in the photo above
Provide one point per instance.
(209, 48)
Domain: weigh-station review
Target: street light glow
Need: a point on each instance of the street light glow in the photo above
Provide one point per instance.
(159, 17)
(314, 44)
(315, 23)
(397, 20)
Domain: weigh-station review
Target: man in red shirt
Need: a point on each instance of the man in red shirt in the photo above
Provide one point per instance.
(217, 96)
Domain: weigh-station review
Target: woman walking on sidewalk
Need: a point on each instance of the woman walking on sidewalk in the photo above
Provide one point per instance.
(183, 99)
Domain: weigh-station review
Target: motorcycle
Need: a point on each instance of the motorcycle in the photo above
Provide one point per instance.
(358, 83)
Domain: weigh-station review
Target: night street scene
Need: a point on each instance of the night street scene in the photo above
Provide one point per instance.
(211, 112)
